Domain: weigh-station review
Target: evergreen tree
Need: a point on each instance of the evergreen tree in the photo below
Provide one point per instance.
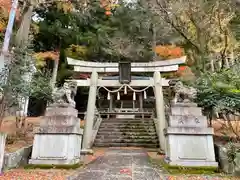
(125, 34)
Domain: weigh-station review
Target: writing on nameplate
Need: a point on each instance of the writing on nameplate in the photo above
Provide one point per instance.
(181, 120)
(197, 120)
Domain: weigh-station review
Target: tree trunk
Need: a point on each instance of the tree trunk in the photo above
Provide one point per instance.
(54, 73)
(231, 58)
(154, 42)
(226, 62)
(230, 125)
(24, 29)
(212, 63)
(220, 64)
(2, 111)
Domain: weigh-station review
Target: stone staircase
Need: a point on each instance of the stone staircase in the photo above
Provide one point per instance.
(127, 132)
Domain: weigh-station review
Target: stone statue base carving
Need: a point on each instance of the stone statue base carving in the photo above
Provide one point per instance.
(189, 140)
(59, 137)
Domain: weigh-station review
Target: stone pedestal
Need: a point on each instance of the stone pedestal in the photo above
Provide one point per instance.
(3, 137)
(59, 138)
(189, 140)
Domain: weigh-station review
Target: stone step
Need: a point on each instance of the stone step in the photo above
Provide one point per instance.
(146, 145)
(129, 120)
(128, 136)
(127, 132)
(127, 126)
(120, 139)
(105, 133)
(110, 138)
(125, 129)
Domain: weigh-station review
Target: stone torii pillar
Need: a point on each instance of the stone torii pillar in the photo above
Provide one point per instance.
(89, 121)
(160, 109)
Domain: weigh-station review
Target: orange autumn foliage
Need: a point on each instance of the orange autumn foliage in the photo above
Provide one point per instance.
(41, 57)
(47, 55)
(108, 5)
(185, 73)
(182, 68)
(5, 7)
(65, 6)
(108, 13)
(169, 51)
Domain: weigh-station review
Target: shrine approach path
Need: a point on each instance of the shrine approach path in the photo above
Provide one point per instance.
(120, 164)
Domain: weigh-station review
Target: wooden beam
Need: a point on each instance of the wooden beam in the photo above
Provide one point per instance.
(133, 69)
(115, 83)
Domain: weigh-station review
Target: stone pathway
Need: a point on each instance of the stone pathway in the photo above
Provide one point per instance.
(120, 164)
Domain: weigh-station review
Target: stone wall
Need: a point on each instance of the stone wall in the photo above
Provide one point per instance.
(15, 159)
(224, 163)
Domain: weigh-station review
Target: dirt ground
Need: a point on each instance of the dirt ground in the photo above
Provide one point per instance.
(223, 131)
(9, 127)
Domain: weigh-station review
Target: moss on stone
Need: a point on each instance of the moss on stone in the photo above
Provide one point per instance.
(53, 166)
(185, 170)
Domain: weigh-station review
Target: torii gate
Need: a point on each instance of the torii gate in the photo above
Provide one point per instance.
(94, 82)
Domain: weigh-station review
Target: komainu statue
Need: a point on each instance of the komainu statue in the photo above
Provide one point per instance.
(183, 93)
(65, 95)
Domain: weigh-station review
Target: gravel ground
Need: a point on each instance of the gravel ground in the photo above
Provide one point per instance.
(22, 174)
(200, 177)
(54, 174)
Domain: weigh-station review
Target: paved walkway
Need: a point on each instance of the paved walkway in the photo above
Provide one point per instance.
(119, 164)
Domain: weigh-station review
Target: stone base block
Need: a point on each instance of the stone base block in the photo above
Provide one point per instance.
(188, 131)
(17, 158)
(59, 130)
(56, 149)
(55, 161)
(61, 111)
(183, 111)
(60, 121)
(190, 163)
(188, 121)
(184, 104)
(190, 150)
